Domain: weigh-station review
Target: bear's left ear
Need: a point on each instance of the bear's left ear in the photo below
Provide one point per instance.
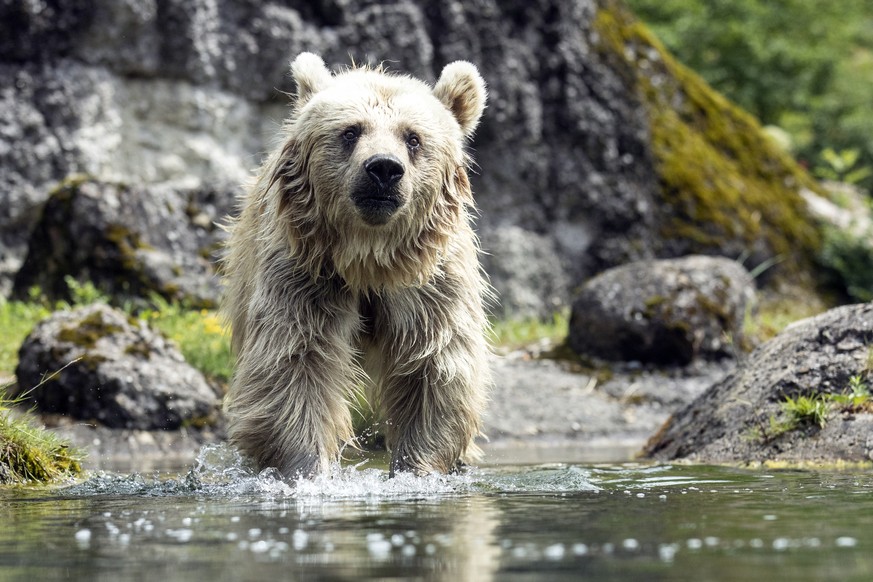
(310, 74)
(461, 89)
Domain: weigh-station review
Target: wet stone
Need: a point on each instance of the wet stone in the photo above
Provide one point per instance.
(97, 364)
(666, 312)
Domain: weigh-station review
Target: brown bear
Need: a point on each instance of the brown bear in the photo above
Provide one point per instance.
(353, 265)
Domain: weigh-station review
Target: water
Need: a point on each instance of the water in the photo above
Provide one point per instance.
(221, 521)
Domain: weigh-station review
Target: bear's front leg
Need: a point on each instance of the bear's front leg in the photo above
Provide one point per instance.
(288, 403)
(434, 378)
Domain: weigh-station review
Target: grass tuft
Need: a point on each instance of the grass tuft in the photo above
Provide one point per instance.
(518, 333)
(29, 454)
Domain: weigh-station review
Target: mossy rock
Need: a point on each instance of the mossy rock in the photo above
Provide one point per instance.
(96, 364)
(670, 311)
(725, 187)
(130, 242)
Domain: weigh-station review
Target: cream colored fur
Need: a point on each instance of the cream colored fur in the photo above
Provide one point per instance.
(322, 303)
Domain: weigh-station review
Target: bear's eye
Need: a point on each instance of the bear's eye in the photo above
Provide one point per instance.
(351, 134)
(413, 141)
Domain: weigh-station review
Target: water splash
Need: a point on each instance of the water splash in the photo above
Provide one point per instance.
(221, 471)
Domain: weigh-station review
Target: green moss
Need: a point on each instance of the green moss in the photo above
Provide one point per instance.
(17, 319)
(87, 332)
(30, 454)
(722, 179)
(139, 349)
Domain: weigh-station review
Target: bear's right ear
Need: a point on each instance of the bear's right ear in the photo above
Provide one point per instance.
(311, 76)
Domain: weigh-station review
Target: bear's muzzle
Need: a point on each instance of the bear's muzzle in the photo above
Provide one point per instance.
(377, 197)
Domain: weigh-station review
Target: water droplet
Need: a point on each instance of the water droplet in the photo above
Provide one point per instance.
(554, 552)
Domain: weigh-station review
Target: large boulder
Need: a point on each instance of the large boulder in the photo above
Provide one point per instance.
(96, 364)
(129, 241)
(668, 311)
(790, 400)
(595, 140)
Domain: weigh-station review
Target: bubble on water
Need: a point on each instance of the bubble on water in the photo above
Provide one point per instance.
(666, 552)
(299, 539)
(554, 552)
(580, 549)
(408, 551)
(259, 547)
(780, 544)
(182, 535)
(378, 547)
(83, 536)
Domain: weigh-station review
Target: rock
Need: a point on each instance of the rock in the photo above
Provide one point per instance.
(95, 364)
(526, 273)
(129, 241)
(595, 141)
(668, 311)
(742, 418)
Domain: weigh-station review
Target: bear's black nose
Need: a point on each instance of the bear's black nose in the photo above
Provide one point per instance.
(384, 169)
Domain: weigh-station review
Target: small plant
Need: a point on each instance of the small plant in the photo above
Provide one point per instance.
(805, 411)
(517, 333)
(83, 293)
(842, 166)
(858, 398)
(30, 454)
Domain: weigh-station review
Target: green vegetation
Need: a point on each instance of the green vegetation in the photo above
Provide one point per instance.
(517, 333)
(200, 334)
(201, 337)
(803, 65)
(804, 68)
(814, 410)
(774, 313)
(842, 166)
(17, 318)
(29, 454)
(850, 255)
(724, 184)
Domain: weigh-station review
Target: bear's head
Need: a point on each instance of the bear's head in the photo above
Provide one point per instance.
(371, 181)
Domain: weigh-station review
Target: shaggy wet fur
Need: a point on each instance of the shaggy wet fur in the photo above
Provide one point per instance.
(323, 302)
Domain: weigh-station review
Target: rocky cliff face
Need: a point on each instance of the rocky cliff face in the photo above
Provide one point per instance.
(575, 148)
